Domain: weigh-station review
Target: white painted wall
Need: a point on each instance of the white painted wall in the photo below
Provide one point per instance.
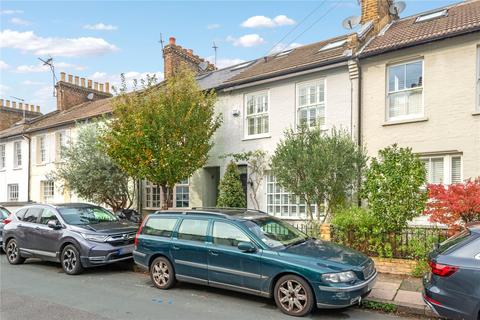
(12, 175)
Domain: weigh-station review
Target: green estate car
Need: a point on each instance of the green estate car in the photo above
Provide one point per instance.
(252, 252)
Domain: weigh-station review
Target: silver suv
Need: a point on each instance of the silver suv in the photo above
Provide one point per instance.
(77, 235)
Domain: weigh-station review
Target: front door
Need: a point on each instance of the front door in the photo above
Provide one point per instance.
(227, 265)
(190, 251)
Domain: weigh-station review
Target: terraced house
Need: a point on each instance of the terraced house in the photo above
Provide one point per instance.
(421, 89)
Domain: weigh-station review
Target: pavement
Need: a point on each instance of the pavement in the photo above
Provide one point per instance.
(40, 290)
(403, 291)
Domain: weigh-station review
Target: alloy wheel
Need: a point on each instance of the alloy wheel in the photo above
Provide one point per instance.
(69, 260)
(292, 296)
(12, 251)
(160, 273)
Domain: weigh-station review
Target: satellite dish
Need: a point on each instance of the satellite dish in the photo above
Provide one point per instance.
(351, 22)
(203, 65)
(397, 8)
(90, 96)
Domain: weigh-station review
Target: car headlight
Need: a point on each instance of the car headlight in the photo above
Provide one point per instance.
(339, 277)
(93, 237)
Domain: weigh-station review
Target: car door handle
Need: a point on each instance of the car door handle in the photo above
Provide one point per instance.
(37, 228)
(174, 247)
(213, 253)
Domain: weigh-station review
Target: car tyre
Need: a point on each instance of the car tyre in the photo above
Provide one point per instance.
(293, 296)
(70, 259)
(13, 252)
(162, 273)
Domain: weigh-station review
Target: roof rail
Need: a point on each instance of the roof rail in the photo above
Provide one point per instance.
(228, 209)
(190, 212)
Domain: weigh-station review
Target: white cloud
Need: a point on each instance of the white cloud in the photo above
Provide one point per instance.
(247, 41)
(213, 26)
(43, 97)
(29, 42)
(32, 83)
(283, 47)
(225, 62)
(4, 89)
(43, 68)
(3, 65)
(266, 22)
(10, 11)
(100, 26)
(115, 80)
(20, 22)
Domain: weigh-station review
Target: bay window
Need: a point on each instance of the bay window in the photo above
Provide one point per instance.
(405, 91)
(443, 169)
(311, 103)
(256, 119)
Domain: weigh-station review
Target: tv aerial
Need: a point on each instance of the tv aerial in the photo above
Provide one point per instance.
(49, 62)
(351, 22)
(215, 47)
(397, 7)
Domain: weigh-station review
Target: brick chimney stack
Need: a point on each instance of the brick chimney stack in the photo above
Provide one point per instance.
(73, 91)
(376, 11)
(11, 112)
(174, 57)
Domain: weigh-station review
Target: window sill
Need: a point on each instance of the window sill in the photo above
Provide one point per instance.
(41, 164)
(260, 136)
(395, 122)
(477, 113)
(17, 168)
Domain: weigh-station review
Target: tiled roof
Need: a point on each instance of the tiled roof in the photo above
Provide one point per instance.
(307, 56)
(79, 112)
(460, 19)
(14, 130)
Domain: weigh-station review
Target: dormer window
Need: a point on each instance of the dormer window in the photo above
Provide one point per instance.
(432, 15)
(333, 45)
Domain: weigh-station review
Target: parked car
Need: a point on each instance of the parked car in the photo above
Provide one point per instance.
(4, 213)
(76, 235)
(452, 288)
(252, 252)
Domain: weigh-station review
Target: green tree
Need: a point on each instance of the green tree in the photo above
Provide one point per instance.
(163, 133)
(86, 170)
(318, 167)
(231, 193)
(257, 165)
(394, 187)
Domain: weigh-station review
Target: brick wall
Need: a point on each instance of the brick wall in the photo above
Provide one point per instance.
(12, 112)
(376, 11)
(394, 266)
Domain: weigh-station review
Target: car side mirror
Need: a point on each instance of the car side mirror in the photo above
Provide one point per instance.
(54, 224)
(246, 247)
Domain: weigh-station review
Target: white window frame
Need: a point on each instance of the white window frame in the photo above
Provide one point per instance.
(3, 156)
(148, 193)
(47, 191)
(17, 154)
(406, 90)
(447, 166)
(42, 156)
(477, 106)
(59, 144)
(13, 191)
(271, 207)
(310, 105)
(182, 184)
(256, 114)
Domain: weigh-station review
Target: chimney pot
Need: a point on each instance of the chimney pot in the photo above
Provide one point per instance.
(1, 102)
(62, 76)
(82, 81)
(14, 104)
(76, 80)
(171, 40)
(38, 109)
(70, 78)
(107, 87)
(32, 107)
(101, 87)
(89, 84)
(20, 105)
(7, 104)
(95, 86)
(190, 52)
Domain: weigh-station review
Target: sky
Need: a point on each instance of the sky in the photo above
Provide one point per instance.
(99, 40)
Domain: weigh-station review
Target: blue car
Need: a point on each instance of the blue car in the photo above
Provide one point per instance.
(252, 252)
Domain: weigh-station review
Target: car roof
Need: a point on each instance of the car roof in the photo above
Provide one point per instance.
(227, 213)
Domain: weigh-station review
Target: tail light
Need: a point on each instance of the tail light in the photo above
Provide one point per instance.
(135, 242)
(8, 219)
(442, 270)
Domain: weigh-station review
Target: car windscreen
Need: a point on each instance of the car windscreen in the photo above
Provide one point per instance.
(4, 213)
(86, 215)
(275, 233)
(454, 241)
